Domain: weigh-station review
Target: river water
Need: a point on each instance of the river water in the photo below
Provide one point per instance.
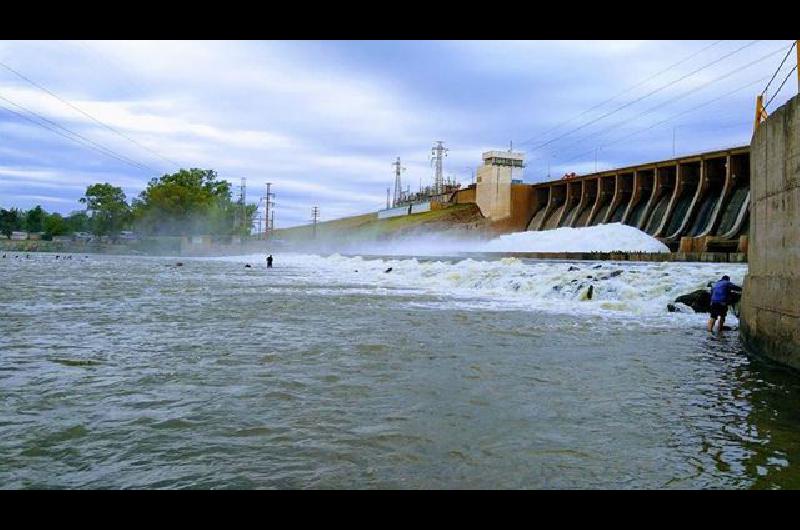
(327, 372)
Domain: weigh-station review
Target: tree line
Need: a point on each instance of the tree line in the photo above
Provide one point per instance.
(189, 202)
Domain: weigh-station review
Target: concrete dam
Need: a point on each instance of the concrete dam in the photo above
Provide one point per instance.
(697, 203)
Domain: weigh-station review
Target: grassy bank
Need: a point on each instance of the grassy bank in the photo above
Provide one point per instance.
(363, 228)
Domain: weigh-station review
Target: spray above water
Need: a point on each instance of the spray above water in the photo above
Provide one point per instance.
(611, 237)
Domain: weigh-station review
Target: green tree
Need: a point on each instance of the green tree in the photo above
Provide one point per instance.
(77, 222)
(189, 202)
(34, 219)
(55, 225)
(110, 212)
(10, 221)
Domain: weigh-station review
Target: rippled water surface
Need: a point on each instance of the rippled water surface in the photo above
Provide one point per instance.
(128, 372)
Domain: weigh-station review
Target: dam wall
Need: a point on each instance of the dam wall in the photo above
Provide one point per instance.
(770, 308)
(694, 203)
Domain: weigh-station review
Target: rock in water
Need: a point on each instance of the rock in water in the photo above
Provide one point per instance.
(699, 301)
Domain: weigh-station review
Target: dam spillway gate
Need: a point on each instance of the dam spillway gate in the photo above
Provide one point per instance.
(696, 203)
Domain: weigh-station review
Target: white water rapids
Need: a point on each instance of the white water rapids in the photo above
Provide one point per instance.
(621, 289)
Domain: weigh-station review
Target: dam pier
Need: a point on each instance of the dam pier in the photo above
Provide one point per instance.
(770, 321)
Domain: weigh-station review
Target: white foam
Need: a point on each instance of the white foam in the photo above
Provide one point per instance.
(602, 238)
(641, 290)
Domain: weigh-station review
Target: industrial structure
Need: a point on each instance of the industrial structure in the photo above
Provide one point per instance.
(692, 203)
(404, 202)
(499, 170)
(438, 152)
(398, 186)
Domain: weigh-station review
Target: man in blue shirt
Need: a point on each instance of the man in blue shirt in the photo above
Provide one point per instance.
(720, 298)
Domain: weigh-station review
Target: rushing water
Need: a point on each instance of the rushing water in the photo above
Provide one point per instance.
(327, 372)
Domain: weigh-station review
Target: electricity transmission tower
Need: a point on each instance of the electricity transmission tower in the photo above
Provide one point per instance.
(398, 188)
(438, 152)
(387, 197)
(314, 219)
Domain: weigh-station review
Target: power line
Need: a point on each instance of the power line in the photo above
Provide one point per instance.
(75, 107)
(779, 67)
(780, 87)
(652, 92)
(637, 85)
(676, 98)
(709, 102)
(72, 135)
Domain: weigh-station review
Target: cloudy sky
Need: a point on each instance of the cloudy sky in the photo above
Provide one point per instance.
(323, 121)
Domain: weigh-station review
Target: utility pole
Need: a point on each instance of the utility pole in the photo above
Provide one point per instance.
(438, 152)
(240, 217)
(387, 198)
(269, 204)
(244, 201)
(314, 219)
(398, 188)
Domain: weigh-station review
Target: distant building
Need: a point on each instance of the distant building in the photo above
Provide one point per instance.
(493, 191)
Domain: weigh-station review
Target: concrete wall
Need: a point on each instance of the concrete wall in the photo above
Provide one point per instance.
(466, 196)
(393, 212)
(493, 191)
(771, 300)
(421, 207)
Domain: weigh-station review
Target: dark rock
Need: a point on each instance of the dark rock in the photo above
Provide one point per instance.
(388, 270)
(597, 267)
(248, 266)
(603, 277)
(699, 301)
(590, 292)
(616, 273)
(179, 264)
(556, 288)
(590, 276)
(573, 269)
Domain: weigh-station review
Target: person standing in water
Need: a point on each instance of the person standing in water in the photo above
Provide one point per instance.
(720, 298)
(269, 261)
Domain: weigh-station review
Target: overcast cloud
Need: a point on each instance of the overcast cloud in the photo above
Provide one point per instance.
(323, 121)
